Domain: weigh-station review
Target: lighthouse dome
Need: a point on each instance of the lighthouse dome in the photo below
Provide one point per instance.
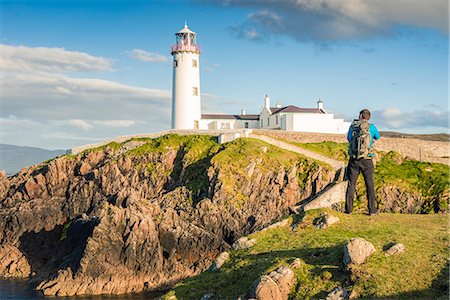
(185, 30)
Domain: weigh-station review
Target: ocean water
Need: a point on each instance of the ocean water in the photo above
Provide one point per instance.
(20, 290)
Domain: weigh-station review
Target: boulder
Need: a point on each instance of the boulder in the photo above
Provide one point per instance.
(356, 251)
(275, 286)
(220, 260)
(296, 263)
(325, 221)
(338, 293)
(243, 243)
(395, 249)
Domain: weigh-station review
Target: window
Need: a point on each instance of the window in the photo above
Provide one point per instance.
(225, 126)
(175, 63)
(246, 124)
(268, 121)
(194, 63)
(276, 119)
(195, 91)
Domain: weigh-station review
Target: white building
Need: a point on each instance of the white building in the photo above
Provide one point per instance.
(289, 118)
(186, 103)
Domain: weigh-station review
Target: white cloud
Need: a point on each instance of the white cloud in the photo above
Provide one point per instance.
(44, 107)
(143, 55)
(331, 20)
(115, 123)
(42, 59)
(80, 124)
(395, 119)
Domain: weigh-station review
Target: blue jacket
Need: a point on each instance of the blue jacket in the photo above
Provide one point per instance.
(374, 134)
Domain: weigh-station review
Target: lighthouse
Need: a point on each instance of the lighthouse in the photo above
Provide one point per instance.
(186, 105)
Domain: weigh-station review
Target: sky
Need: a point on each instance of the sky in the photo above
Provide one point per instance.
(80, 72)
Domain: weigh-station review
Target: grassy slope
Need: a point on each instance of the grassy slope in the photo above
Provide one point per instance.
(417, 274)
(200, 152)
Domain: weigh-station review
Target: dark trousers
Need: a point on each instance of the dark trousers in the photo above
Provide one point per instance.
(355, 166)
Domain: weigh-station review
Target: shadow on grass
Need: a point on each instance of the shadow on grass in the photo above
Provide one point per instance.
(238, 274)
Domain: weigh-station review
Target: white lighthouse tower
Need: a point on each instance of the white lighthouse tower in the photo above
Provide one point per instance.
(186, 105)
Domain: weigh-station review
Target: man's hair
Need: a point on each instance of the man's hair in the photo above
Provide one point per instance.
(365, 114)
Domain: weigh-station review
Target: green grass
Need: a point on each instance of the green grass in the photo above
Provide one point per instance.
(334, 150)
(419, 273)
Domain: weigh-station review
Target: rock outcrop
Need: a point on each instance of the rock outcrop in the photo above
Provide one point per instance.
(243, 243)
(395, 249)
(145, 214)
(219, 261)
(276, 285)
(325, 221)
(356, 251)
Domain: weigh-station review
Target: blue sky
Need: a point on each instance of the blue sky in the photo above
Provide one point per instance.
(77, 72)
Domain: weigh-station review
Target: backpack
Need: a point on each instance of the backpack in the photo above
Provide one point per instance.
(360, 140)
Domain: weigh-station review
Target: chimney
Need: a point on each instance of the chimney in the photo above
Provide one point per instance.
(320, 104)
(243, 113)
(267, 102)
(278, 104)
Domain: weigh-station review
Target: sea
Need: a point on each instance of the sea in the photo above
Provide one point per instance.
(21, 290)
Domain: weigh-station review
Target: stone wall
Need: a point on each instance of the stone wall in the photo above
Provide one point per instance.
(430, 151)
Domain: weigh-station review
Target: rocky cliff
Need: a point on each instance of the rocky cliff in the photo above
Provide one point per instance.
(146, 213)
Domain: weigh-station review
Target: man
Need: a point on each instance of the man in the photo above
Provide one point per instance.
(360, 137)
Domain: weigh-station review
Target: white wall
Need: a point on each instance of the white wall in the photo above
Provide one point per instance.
(186, 107)
(219, 124)
(320, 123)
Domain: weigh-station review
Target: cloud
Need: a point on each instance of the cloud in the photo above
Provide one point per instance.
(42, 59)
(115, 123)
(80, 124)
(43, 105)
(336, 20)
(143, 55)
(394, 118)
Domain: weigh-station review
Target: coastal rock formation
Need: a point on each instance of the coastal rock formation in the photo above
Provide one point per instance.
(144, 214)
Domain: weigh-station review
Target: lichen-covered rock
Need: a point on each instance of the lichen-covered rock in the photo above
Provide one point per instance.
(356, 251)
(395, 249)
(338, 293)
(276, 285)
(325, 221)
(219, 261)
(243, 243)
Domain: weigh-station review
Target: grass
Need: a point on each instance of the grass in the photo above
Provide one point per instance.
(333, 150)
(419, 273)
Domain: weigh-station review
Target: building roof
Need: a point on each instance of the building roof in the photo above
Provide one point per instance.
(231, 117)
(295, 109)
(185, 30)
